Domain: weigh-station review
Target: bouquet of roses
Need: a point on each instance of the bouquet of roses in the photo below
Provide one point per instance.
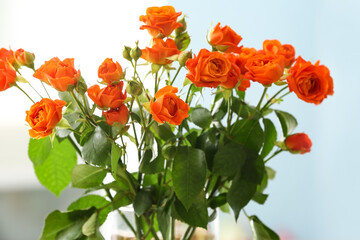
(193, 160)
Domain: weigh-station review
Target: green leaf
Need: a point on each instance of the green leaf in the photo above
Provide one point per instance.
(55, 172)
(89, 201)
(218, 201)
(205, 143)
(270, 137)
(229, 159)
(115, 156)
(244, 110)
(270, 172)
(197, 215)
(188, 174)
(121, 199)
(164, 219)
(39, 150)
(90, 227)
(261, 231)
(73, 231)
(163, 131)
(249, 133)
(184, 38)
(142, 202)
(54, 223)
(260, 197)
(201, 117)
(87, 176)
(97, 149)
(150, 166)
(240, 193)
(287, 121)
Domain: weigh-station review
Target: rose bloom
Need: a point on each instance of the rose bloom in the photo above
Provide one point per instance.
(58, 74)
(225, 39)
(43, 117)
(311, 83)
(298, 143)
(112, 96)
(208, 69)
(168, 107)
(7, 55)
(109, 71)
(234, 75)
(276, 48)
(119, 115)
(160, 21)
(243, 57)
(24, 58)
(265, 69)
(160, 51)
(7, 75)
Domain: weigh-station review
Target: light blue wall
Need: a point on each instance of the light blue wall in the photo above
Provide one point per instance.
(314, 196)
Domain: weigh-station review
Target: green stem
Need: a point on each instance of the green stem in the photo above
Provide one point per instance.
(192, 232)
(184, 237)
(156, 83)
(279, 98)
(269, 101)
(188, 94)
(172, 228)
(24, 92)
(42, 83)
(74, 145)
(275, 153)
(262, 97)
(35, 90)
(177, 72)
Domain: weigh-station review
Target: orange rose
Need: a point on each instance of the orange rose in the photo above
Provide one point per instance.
(7, 55)
(43, 117)
(276, 48)
(24, 58)
(234, 75)
(59, 74)
(208, 69)
(119, 115)
(225, 39)
(311, 83)
(160, 51)
(160, 21)
(298, 143)
(265, 69)
(109, 71)
(168, 107)
(7, 75)
(111, 96)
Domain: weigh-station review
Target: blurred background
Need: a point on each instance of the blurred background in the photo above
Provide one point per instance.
(314, 196)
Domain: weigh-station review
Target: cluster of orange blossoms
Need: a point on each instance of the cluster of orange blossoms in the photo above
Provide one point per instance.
(229, 65)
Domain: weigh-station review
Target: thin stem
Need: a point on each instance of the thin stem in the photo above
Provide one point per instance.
(269, 101)
(188, 94)
(279, 98)
(24, 92)
(172, 228)
(35, 90)
(275, 153)
(42, 83)
(192, 232)
(74, 145)
(262, 97)
(156, 83)
(177, 72)
(184, 237)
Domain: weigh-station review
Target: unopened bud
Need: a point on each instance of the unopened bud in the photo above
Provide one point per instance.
(24, 58)
(81, 86)
(136, 53)
(126, 53)
(182, 29)
(134, 88)
(184, 56)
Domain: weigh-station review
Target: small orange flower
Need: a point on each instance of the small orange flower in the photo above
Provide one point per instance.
(119, 115)
(276, 48)
(7, 75)
(24, 58)
(43, 117)
(234, 75)
(265, 69)
(225, 39)
(112, 96)
(160, 51)
(168, 107)
(58, 74)
(298, 143)
(311, 83)
(109, 71)
(160, 21)
(208, 69)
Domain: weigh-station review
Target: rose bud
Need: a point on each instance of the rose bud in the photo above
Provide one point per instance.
(168, 107)
(184, 56)
(43, 117)
(24, 58)
(117, 115)
(181, 29)
(134, 88)
(298, 143)
(109, 71)
(126, 53)
(59, 74)
(136, 52)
